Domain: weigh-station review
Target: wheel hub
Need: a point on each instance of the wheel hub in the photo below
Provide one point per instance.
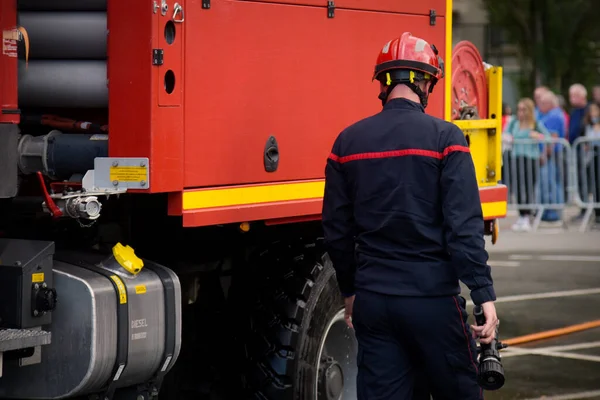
(336, 371)
(331, 380)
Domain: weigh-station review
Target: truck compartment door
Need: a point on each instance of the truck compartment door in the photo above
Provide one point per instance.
(422, 7)
(169, 54)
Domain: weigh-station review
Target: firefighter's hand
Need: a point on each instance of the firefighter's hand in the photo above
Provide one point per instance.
(486, 332)
(348, 305)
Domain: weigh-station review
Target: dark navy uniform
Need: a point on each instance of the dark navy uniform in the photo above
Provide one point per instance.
(403, 223)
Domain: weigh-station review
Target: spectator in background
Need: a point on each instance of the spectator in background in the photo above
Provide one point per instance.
(596, 94)
(579, 105)
(506, 146)
(506, 114)
(590, 156)
(537, 96)
(525, 158)
(565, 162)
(552, 172)
(578, 100)
(563, 106)
(552, 115)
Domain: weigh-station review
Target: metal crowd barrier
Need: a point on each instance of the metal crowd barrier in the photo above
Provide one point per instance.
(586, 178)
(539, 177)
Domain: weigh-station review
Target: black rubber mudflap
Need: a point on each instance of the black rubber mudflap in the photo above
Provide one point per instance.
(294, 297)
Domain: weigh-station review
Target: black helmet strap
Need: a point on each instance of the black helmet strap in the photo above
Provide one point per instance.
(407, 77)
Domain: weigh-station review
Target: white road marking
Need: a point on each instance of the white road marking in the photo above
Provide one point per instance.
(570, 258)
(519, 351)
(570, 396)
(576, 346)
(551, 231)
(520, 257)
(540, 352)
(528, 257)
(546, 295)
(510, 264)
(573, 356)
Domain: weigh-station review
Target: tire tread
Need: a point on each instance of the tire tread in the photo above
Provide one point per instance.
(287, 274)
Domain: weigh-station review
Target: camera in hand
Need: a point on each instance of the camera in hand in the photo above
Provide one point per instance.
(491, 372)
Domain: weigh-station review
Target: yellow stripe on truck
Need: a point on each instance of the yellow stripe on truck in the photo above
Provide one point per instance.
(213, 198)
(272, 193)
(494, 209)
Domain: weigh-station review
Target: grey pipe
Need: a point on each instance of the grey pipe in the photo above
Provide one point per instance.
(60, 155)
(63, 83)
(65, 35)
(61, 5)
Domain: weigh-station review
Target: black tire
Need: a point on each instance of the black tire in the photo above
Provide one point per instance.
(295, 298)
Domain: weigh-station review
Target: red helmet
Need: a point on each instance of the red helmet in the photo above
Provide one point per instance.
(408, 59)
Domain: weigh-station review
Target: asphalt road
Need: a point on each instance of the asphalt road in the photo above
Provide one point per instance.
(544, 282)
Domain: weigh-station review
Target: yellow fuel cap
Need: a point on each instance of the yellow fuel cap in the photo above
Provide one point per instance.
(126, 257)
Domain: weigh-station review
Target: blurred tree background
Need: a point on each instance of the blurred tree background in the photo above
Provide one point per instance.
(558, 40)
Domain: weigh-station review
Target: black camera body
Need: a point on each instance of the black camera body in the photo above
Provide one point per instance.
(491, 371)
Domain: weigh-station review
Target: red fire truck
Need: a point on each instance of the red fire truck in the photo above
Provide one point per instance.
(161, 180)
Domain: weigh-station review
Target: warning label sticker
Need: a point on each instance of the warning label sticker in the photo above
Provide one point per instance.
(128, 174)
(140, 289)
(121, 289)
(98, 136)
(9, 42)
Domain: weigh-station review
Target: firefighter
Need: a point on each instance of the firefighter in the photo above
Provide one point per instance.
(403, 224)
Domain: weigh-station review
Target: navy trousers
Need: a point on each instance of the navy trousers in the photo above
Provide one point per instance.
(411, 348)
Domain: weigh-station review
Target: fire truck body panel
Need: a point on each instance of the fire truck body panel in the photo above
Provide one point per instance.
(418, 8)
(237, 128)
(197, 136)
(300, 78)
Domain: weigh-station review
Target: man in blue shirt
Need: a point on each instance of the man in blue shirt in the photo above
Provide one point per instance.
(537, 98)
(579, 105)
(552, 173)
(551, 115)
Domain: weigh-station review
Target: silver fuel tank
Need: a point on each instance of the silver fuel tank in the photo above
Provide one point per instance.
(117, 324)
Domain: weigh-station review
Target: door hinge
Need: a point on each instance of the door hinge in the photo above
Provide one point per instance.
(330, 9)
(432, 17)
(157, 56)
(206, 4)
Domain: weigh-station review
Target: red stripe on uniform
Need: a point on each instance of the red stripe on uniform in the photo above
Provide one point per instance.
(452, 149)
(334, 157)
(390, 154)
(398, 153)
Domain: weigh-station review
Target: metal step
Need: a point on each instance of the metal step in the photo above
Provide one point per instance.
(17, 339)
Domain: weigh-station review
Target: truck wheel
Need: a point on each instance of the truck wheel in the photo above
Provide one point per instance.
(299, 346)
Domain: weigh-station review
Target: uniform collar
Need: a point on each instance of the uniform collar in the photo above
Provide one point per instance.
(403, 103)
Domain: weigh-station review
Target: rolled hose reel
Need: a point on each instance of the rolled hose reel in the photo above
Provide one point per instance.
(469, 94)
(66, 65)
